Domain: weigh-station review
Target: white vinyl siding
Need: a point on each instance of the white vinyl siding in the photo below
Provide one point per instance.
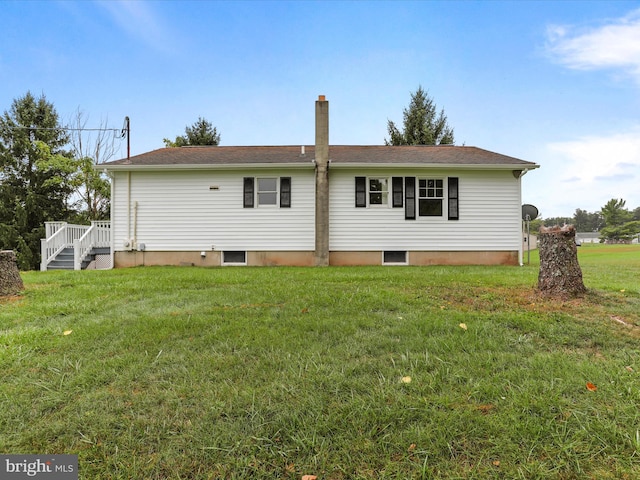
(489, 215)
(201, 210)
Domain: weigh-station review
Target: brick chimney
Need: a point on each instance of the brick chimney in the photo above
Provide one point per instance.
(322, 182)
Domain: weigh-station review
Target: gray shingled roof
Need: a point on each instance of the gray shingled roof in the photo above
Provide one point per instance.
(339, 155)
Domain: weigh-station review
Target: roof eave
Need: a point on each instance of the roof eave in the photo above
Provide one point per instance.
(129, 167)
(449, 166)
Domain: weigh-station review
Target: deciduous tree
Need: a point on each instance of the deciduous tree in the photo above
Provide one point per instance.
(91, 147)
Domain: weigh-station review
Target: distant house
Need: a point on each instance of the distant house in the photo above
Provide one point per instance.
(317, 205)
(587, 237)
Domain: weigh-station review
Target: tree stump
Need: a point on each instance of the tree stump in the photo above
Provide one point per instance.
(560, 274)
(10, 280)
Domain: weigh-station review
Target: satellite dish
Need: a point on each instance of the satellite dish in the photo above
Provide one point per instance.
(529, 212)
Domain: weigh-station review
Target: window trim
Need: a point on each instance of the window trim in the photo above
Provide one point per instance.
(384, 194)
(275, 192)
(387, 262)
(224, 262)
(441, 198)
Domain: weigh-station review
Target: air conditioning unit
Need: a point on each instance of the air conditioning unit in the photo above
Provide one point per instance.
(128, 244)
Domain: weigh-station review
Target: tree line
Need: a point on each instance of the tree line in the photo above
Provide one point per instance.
(614, 222)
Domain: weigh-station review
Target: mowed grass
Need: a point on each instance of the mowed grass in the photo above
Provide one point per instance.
(344, 373)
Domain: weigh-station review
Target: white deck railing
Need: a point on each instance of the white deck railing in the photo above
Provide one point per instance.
(98, 235)
(82, 238)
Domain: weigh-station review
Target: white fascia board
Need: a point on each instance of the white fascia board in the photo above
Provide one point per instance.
(439, 166)
(173, 167)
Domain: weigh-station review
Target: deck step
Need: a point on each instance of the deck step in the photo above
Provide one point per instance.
(65, 259)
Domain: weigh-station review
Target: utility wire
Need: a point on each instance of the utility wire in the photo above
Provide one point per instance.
(68, 129)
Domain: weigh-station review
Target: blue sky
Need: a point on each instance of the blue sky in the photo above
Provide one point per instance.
(556, 83)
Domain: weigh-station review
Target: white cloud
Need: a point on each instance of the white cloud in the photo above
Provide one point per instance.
(140, 21)
(615, 45)
(587, 172)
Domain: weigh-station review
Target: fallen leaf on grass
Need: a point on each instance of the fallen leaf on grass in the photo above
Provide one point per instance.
(406, 379)
(615, 318)
(485, 409)
(67, 332)
(309, 477)
(412, 447)
(496, 463)
(629, 368)
(591, 387)
(463, 326)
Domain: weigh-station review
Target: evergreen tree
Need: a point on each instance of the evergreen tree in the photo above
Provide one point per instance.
(422, 125)
(615, 213)
(35, 175)
(201, 132)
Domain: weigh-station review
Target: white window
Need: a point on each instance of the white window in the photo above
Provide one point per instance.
(267, 191)
(430, 197)
(378, 191)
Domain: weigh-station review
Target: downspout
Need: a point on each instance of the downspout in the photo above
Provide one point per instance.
(135, 225)
(322, 183)
(112, 243)
(518, 174)
(128, 206)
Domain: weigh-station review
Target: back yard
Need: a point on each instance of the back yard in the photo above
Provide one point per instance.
(343, 373)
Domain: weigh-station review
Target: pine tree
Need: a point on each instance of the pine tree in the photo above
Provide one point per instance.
(202, 132)
(422, 125)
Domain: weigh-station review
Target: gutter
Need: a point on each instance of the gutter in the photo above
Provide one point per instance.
(195, 167)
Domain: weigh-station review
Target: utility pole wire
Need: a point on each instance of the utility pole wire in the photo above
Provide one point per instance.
(69, 129)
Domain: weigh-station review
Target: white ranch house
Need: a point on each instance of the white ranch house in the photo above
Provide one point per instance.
(317, 205)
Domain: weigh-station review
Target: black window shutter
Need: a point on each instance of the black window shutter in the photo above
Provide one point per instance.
(454, 210)
(361, 191)
(410, 198)
(396, 186)
(285, 192)
(248, 192)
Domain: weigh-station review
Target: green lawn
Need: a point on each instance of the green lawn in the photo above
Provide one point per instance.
(344, 373)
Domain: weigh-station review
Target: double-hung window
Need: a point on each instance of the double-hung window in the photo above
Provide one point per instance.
(372, 191)
(267, 191)
(378, 191)
(430, 197)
